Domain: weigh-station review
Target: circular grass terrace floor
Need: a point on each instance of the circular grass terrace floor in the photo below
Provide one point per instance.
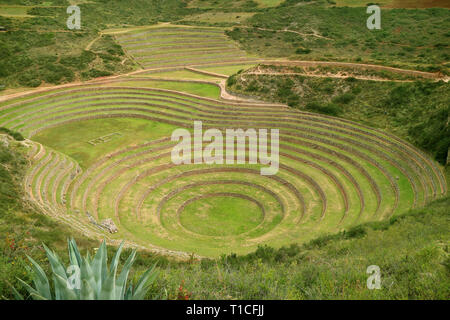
(218, 214)
(105, 152)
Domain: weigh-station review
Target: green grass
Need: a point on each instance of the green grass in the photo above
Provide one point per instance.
(40, 50)
(323, 261)
(45, 58)
(248, 5)
(22, 228)
(361, 3)
(221, 216)
(218, 18)
(13, 11)
(269, 3)
(72, 139)
(181, 74)
(200, 89)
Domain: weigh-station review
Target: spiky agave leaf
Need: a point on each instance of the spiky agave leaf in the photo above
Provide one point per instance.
(74, 253)
(33, 292)
(65, 293)
(123, 277)
(57, 266)
(144, 283)
(99, 266)
(40, 280)
(108, 290)
(16, 293)
(97, 281)
(87, 274)
(115, 260)
(87, 292)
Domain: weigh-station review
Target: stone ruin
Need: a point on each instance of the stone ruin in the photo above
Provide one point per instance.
(109, 225)
(106, 224)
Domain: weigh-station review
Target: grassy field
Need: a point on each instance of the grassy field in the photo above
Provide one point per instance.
(218, 18)
(39, 50)
(269, 3)
(132, 131)
(221, 216)
(202, 89)
(179, 74)
(177, 46)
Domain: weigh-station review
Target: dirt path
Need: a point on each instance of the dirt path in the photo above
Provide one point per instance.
(88, 47)
(312, 63)
(304, 35)
(103, 80)
(323, 76)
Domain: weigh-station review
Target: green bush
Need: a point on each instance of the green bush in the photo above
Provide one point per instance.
(329, 109)
(293, 100)
(16, 135)
(398, 97)
(231, 80)
(80, 62)
(94, 73)
(344, 98)
(303, 51)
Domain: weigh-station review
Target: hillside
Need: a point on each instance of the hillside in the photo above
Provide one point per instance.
(415, 110)
(318, 30)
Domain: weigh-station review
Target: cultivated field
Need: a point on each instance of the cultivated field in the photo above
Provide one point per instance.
(104, 152)
(168, 46)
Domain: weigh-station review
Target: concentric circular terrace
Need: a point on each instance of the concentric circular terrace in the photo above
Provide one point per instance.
(105, 149)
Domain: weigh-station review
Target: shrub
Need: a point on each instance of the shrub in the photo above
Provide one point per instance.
(355, 232)
(399, 96)
(303, 51)
(16, 135)
(231, 80)
(293, 100)
(253, 86)
(344, 98)
(330, 108)
(80, 62)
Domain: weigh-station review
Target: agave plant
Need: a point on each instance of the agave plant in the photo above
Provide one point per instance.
(87, 278)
